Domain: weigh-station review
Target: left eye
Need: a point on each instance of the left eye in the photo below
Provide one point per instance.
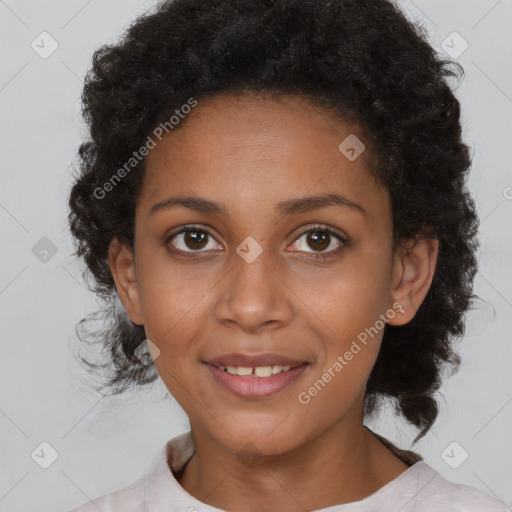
(320, 238)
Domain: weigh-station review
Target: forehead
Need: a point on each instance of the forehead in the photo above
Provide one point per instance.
(253, 150)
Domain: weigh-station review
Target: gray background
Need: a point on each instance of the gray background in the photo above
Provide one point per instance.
(105, 444)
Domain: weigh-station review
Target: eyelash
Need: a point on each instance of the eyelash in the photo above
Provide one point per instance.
(313, 229)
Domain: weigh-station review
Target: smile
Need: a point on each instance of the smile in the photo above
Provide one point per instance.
(255, 382)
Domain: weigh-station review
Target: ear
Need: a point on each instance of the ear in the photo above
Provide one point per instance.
(122, 266)
(414, 266)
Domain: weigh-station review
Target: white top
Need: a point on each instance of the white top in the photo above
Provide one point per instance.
(418, 489)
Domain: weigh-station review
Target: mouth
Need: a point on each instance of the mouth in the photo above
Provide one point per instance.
(255, 376)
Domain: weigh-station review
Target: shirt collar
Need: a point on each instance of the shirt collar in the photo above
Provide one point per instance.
(163, 493)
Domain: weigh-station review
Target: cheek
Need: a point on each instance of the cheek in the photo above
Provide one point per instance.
(350, 330)
(172, 302)
(350, 297)
(350, 309)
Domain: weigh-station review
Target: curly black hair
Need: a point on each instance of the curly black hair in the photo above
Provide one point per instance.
(365, 62)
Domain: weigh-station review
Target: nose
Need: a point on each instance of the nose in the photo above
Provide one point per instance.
(254, 295)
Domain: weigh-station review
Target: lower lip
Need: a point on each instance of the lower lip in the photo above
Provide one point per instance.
(247, 386)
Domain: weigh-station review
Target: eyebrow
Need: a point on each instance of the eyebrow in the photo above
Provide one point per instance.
(288, 207)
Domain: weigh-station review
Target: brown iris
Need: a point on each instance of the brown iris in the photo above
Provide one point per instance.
(318, 238)
(195, 237)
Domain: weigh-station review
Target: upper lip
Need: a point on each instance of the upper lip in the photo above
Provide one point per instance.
(254, 360)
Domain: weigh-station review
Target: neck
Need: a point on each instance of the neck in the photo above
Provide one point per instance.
(344, 464)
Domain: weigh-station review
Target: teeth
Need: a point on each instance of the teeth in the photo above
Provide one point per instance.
(259, 371)
(242, 370)
(263, 371)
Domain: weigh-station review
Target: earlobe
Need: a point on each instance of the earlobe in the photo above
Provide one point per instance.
(122, 266)
(415, 264)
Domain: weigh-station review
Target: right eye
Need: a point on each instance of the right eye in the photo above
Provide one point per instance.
(191, 239)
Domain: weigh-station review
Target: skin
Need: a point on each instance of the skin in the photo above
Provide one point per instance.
(249, 153)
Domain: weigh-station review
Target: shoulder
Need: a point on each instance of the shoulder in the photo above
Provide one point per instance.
(434, 492)
(128, 499)
(157, 486)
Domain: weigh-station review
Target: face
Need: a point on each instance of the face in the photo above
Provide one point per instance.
(254, 266)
